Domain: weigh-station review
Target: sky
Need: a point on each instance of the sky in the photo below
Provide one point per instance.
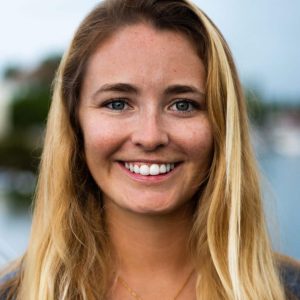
(264, 36)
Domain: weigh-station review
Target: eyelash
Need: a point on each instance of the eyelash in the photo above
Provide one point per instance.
(192, 106)
(109, 103)
(195, 105)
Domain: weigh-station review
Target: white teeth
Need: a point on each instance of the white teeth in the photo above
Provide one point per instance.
(153, 169)
(162, 169)
(144, 170)
(136, 169)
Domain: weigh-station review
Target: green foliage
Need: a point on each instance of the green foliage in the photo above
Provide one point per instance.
(261, 110)
(19, 202)
(257, 109)
(11, 72)
(30, 106)
(21, 148)
(18, 153)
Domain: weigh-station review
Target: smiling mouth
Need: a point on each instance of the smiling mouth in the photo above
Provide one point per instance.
(150, 169)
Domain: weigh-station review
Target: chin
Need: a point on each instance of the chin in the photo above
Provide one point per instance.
(155, 207)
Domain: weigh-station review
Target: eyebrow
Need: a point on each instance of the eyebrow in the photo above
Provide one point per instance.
(117, 87)
(182, 89)
(132, 89)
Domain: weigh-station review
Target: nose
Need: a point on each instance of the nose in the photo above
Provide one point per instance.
(149, 132)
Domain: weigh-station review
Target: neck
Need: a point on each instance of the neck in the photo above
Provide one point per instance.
(148, 244)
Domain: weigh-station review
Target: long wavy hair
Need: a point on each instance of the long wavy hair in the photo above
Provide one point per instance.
(69, 252)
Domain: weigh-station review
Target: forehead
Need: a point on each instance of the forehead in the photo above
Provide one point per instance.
(144, 53)
(144, 33)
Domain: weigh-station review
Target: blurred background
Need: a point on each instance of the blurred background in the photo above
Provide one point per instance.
(264, 37)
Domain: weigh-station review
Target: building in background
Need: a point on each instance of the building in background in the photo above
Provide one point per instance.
(7, 89)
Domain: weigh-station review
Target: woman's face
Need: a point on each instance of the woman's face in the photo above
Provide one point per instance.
(147, 137)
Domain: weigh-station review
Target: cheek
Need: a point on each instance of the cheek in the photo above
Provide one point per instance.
(199, 146)
(196, 139)
(200, 143)
(101, 137)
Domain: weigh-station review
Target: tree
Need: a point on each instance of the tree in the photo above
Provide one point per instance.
(21, 148)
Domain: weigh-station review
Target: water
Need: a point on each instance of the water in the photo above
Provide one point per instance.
(282, 208)
(283, 174)
(14, 233)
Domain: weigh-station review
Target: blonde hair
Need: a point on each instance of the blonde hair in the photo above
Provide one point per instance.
(68, 255)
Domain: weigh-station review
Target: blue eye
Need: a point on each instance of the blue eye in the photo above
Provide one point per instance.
(184, 106)
(117, 104)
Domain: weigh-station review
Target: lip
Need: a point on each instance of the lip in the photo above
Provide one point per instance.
(150, 161)
(150, 178)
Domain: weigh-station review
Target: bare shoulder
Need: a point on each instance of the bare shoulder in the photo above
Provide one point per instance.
(289, 270)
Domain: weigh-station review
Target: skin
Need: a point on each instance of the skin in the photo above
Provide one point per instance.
(149, 220)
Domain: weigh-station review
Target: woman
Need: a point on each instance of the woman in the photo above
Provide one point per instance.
(148, 187)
